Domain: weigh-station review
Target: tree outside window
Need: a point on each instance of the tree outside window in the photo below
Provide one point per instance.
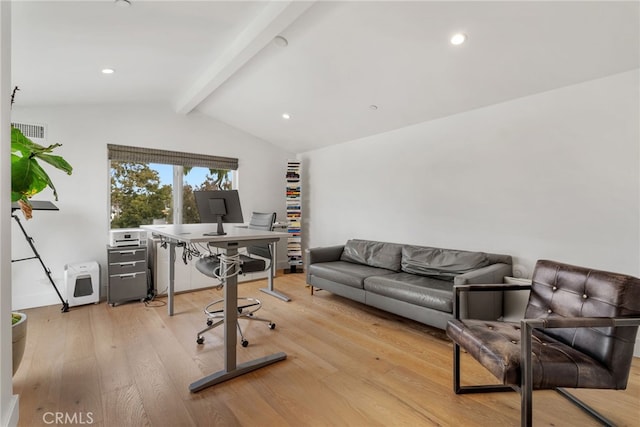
(216, 179)
(142, 193)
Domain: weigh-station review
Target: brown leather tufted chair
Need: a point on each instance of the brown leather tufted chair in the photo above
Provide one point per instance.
(579, 331)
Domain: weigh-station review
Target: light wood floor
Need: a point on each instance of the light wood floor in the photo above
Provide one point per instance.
(347, 365)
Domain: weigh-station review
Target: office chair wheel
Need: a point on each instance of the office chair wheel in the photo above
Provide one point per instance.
(200, 340)
(245, 343)
(272, 325)
(209, 322)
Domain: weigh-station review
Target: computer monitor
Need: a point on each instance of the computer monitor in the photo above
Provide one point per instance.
(218, 206)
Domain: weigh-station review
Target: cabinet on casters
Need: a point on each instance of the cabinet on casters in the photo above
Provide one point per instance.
(127, 270)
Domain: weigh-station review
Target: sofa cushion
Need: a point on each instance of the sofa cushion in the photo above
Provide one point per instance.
(419, 290)
(346, 273)
(375, 254)
(444, 263)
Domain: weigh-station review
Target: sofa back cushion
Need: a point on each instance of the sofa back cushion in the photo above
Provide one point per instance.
(443, 263)
(374, 254)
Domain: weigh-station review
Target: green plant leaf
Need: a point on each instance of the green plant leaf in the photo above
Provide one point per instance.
(19, 142)
(27, 176)
(57, 162)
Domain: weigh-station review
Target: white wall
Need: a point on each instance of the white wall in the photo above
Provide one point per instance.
(79, 231)
(9, 403)
(549, 176)
(554, 175)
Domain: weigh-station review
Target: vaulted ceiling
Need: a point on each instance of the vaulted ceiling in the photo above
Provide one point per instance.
(349, 69)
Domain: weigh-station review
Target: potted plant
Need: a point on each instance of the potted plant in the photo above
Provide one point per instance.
(28, 178)
(18, 337)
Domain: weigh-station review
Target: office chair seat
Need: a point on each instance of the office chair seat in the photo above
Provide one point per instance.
(210, 265)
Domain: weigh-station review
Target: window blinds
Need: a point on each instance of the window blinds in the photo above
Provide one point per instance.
(123, 153)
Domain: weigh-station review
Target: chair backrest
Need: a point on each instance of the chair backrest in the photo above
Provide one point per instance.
(562, 290)
(261, 221)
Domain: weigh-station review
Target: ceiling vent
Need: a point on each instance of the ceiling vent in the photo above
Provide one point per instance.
(35, 132)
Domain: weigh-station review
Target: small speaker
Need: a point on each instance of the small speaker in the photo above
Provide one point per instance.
(83, 283)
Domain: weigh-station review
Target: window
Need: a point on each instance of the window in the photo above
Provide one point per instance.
(198, 178)
(151, 186)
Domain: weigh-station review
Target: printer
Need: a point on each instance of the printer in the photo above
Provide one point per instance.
(127, 237)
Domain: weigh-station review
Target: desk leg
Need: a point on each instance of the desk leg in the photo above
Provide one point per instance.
(231, 339)
(242, 369)
(230, 316)
(272, 272)
(172, 276)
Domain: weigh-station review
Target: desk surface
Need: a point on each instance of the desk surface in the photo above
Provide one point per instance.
(191, 233)
(37, 205)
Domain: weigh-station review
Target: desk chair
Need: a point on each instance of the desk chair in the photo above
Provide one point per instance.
(214, 266)
(579, 331)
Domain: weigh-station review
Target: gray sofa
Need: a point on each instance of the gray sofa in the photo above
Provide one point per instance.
(415, 282)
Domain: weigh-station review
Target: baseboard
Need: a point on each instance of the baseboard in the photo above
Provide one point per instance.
(21, 302)
(10, 418)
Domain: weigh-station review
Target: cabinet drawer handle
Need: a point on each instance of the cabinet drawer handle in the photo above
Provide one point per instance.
(133, 252)
(128, 276)
(128, 264)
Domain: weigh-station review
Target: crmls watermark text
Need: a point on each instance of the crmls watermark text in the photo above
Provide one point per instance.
(68, 417)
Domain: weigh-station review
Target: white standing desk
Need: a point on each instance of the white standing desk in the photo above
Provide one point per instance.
(236, 237)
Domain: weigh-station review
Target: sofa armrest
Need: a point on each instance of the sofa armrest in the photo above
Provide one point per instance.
(324, 254)
(478, 287)
(321, 254)
(493, 273)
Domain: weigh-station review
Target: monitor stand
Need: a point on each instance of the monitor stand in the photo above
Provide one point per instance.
(220, 231)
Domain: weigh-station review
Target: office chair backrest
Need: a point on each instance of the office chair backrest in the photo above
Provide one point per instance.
(561, 290)
(261, 221)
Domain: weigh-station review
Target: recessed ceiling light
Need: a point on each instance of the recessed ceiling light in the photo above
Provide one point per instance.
(108, 71)
(280, 41)
(286, 116)
(458, 38)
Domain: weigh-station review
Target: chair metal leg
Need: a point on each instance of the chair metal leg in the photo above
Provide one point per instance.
(526, 373)
(456, 368)
(458, 389)
(243, 341)
(246, 310)
(259, 319)
(526, 407)
(199, 338)
(589, 410)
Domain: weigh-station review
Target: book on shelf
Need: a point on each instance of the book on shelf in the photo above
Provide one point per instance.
(293, 193)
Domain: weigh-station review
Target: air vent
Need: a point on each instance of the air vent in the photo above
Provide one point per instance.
(35, 132)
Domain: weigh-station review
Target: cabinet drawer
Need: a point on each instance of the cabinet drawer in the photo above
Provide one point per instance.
(124, 255)
(130, 279)
(126, 287)
(127, 267)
